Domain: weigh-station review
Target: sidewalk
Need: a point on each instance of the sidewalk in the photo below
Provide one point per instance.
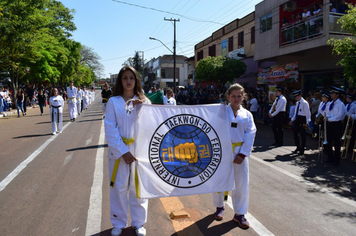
(12, 112)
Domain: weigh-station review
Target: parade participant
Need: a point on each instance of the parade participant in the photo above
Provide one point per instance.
(82, 100)
(334, 117)
(72, 104)
(351, 114)
(169, 99)
(56, 104)
(277, 113)
(119, 135)
(93, 94)
(79, 100)
(85, 98)
(242, 132)
(20, 101)
(300, 120)
(41, 100)
(105, 94)
(319, 118)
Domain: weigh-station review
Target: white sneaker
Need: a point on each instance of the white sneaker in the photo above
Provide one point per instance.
(116, 231)
(140, 231)
(54, 133)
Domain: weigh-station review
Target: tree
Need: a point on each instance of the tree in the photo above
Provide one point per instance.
(27, 28)
(136, 62)
(221, 70)
(91, 60)
(346, 47)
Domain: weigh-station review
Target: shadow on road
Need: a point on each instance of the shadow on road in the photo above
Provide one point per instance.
(32, 136)
(341, 178)
(88, 147)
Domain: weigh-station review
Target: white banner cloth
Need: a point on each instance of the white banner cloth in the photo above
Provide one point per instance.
(183, 150)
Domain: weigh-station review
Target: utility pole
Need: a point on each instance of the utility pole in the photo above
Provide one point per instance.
(174, 53)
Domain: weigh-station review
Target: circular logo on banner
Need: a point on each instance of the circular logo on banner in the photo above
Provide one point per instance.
(185, 151)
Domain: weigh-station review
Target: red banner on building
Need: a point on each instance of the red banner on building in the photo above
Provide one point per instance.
(278, 73)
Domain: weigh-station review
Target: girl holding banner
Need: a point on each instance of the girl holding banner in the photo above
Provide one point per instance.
(242, 131)
(119, 119)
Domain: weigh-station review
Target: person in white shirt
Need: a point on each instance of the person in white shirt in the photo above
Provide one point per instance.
(85, 98)
(253, 105)
(79, 100)
(300, 120)
(119, 133)
(334, 117)
(56, 104)
(351, 114)
(277, 113)
(72, 103)
(242, 131)
(169, 99)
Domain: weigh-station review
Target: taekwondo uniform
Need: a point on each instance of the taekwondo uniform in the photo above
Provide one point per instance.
(72, 104)
(242, 131)
(56, 104)
(118, 128)
(169, 101)
(85, 99)
(79, 100)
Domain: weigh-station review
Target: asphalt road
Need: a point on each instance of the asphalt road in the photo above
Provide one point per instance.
(59, 185)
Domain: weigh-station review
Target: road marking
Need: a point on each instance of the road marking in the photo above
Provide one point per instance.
(94, 212)
(23, 164)
(89, 140)
(255, 224)
(174, 204)
(302, 180)
(67, 159)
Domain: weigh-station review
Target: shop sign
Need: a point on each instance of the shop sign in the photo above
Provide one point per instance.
(278, 73)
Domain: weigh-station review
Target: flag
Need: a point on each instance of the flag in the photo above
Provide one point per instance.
(156, 97)
(183, 150)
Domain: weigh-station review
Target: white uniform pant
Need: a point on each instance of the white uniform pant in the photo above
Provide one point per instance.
(79, 105)
(56, 126)
(85, 103)
(123, 197)
(103, 106)
(239, 196)
(72, 107)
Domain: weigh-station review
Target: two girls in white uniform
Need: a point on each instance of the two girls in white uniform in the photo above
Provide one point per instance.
(56, 104)
(242, 132)
(119, 135)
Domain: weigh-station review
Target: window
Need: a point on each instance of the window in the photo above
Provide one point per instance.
(200, 55)
(252, 35)
(212, 51)
(167, 73)
(266, 23)
(240, 39)
(231, 44)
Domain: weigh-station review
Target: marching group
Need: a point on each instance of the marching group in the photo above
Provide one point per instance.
(332, 117)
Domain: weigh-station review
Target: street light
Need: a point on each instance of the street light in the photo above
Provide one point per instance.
(174, 62)
(161, 43)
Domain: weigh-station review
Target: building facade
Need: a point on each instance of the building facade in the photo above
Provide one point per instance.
(297, 32)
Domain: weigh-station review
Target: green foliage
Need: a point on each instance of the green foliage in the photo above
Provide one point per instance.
(346, 47)
(136, 62)
(221, 70)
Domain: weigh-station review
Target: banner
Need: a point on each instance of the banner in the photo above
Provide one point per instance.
(224, 48)
(183, 150)
(276, 74)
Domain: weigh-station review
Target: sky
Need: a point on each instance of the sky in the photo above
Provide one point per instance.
(116, 29)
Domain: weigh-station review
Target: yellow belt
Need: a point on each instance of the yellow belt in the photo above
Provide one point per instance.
(236, 145)
(71, 98)
(226, 193)
(127, 141)
(105, 99)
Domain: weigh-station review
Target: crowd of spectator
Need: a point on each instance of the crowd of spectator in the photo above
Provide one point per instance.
(309, 23)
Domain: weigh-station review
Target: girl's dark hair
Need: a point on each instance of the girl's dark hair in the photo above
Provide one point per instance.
(119, 88)
(52, 92)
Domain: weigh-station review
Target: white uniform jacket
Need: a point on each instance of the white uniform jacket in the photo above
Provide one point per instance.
(118, 124)
(338, 111)
(71, 94)
(80, 95)
(242, 129)
(320, 109)
(169, 101)
(352, 110)
(56, 102)
(303, 110)
(280, 106)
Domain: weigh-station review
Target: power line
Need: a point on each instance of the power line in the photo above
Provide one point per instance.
(154, 9)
